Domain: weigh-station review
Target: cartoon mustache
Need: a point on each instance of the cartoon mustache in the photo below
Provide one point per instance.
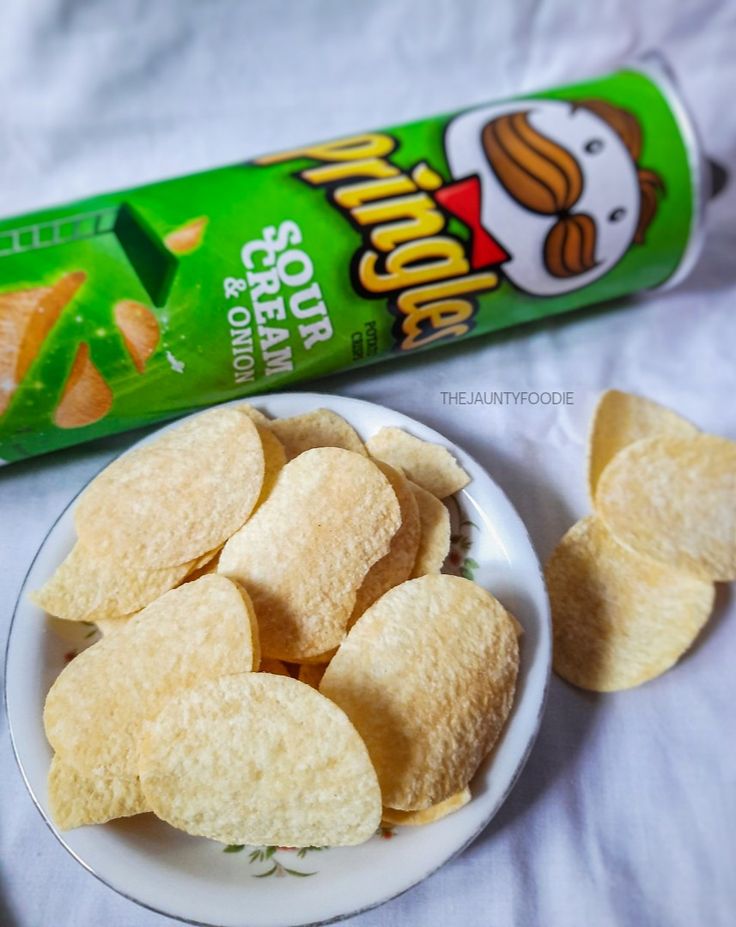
(569, 248)
(544, 178)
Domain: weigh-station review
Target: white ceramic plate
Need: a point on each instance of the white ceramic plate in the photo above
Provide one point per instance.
(194, 879)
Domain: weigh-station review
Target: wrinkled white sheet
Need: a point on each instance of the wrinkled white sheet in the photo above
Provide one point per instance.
(626, 812)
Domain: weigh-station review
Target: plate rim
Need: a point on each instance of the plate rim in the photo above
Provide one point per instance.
(545, 644)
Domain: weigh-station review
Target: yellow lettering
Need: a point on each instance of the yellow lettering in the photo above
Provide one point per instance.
(413, 263)
(422, 220)
(328, 173)
(426, 177)
(421, 324)
(437, 311)
(429, 271)
(358, 193)
(413, 299)
(454, 332)
(353, 148)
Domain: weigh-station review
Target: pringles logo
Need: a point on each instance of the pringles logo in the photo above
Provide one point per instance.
(551, 193)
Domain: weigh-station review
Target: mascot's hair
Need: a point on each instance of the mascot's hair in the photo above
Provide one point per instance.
(546, 178)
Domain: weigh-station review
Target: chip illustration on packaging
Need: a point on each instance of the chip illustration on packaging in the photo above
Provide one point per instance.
(140, 330)
(86, 397)
(329, 256)
(188, 237)
(26, 318)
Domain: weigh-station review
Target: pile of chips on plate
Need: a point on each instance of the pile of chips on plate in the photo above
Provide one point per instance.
(282, 661)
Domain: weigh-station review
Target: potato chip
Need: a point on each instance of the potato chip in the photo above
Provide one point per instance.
(107, 626)
(397, 564)
(427, 676)
(262, 760)
(78, 634)
(204, 565)
(274, 453)
(320, 657)
(622, 418)
(311, 674)
(431, 466)
(434, 536)
(96, 706)
(274, 459)
(674, 499)
(178, 497)
(306, 550)
(77, 799)
(320, 428)
(518, 626)
(277, 667)
(187, 237)
(436, 812)
(618, 619)
(86, 588)
(258, 417)
(139, 328)
(86, 397)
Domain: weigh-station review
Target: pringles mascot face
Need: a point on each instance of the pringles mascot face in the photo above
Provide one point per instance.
(552, 190)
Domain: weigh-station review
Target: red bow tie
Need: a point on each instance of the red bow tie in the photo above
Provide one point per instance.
(462, 199)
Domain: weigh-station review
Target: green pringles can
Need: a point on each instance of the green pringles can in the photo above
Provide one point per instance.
(136, 306)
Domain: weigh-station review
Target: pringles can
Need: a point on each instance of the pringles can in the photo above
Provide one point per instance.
(136, 306)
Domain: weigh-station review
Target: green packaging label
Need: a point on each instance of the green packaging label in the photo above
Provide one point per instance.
(140, 305)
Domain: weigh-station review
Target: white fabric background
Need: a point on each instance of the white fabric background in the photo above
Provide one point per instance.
(626, 813)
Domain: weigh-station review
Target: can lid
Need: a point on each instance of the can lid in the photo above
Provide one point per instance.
(718, 177)
(658, 69)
